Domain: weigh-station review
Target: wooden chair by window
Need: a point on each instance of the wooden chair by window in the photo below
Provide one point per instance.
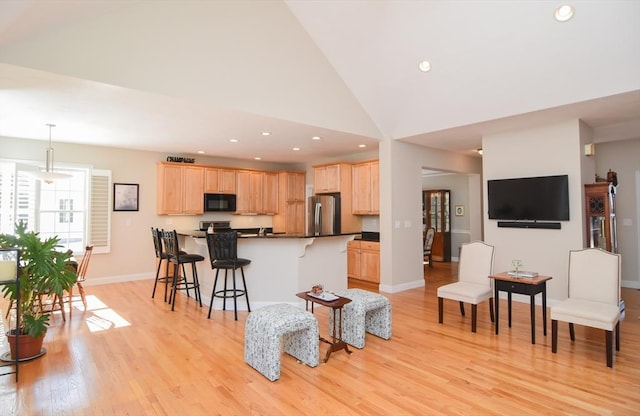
(473, 285)
(82, 277)
(428, 243)
(594, 297)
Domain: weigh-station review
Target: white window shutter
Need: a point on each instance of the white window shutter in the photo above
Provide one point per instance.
(100, 229)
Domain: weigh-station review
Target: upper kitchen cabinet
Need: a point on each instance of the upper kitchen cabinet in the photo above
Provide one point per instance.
(219, 181)
(180, 189)
(335, 177)
(366, 188)
(257, 192)
(291, 203)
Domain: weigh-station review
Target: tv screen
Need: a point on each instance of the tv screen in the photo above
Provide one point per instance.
(543, 198)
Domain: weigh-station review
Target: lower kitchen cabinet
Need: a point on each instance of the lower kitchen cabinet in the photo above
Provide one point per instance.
(363, 260)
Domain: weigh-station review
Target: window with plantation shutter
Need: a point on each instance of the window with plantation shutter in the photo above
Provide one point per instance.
(76, 210)
(99, 230)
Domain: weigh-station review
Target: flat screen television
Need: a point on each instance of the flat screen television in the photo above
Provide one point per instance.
(542, 198)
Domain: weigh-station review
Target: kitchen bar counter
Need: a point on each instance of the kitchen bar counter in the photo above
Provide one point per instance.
(281, 266)
(202, 234)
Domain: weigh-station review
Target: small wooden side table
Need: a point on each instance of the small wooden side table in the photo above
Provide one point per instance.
(524, 286)
(336, 343)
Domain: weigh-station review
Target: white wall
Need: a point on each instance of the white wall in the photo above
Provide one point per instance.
(550, 150)
(401, 164)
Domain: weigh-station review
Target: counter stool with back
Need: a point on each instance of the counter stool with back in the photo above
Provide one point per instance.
(179, 258)
(223, 253)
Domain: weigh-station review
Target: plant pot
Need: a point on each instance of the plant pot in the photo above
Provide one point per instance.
(29, 347)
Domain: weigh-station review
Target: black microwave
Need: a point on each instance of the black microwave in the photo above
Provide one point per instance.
(219, 202)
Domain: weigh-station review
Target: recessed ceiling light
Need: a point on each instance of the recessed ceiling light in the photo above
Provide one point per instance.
(362, 145)
(233, 140)
(315, 138)
(563, 13)
(296, 149)
(257, 158)
(424, 66)
(266, 133)
(201, 152)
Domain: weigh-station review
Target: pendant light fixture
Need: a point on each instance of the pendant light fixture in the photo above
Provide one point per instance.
(48, 176)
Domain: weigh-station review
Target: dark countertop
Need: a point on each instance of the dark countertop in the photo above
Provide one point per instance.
(202, 234)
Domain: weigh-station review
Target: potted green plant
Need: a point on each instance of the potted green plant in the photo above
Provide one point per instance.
(44, 269)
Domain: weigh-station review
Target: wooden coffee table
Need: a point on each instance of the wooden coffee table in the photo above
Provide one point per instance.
(336, 343)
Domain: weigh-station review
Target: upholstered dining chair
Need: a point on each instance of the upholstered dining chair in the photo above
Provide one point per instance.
(594, 297)
(473, 285)
(428, 243)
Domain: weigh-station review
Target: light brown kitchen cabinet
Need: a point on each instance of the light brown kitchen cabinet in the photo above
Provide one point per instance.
(366, 188)
(291, 203)
(219, 180)
(330, 178)
(363, 260)
(269, 193)
(256, 192)
(180, 189)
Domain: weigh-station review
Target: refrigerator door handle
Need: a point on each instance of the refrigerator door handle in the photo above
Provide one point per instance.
(318, 218)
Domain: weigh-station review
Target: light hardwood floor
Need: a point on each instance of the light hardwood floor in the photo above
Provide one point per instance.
(130, 355)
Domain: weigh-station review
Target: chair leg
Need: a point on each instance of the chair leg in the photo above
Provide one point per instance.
(572, 332)
(430, 262)
(174, 288)
(462, 308)
(608, 335)
(213, 293)
(196, 284)
(554, 336)
(474, 317)
(6, 316)
(235, 298)
(166, 279)
(224, 298)
(186, 281)
(156, 282)
(83, 296)
(493, 319)
(440, 309)
(246, 293)
(618, 336)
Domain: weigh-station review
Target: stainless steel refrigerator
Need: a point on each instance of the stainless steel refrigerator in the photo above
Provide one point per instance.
(323, 214)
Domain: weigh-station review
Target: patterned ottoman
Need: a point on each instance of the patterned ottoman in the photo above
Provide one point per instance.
(367, 312)
(267, 326)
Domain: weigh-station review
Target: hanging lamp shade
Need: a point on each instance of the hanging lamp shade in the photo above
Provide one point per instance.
(48, 175)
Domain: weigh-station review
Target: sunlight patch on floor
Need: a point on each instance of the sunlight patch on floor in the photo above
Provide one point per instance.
(103, 318)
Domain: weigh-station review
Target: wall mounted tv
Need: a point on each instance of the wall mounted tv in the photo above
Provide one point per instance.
(542, 198)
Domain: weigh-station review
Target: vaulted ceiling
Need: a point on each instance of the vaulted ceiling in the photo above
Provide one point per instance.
(183, 76)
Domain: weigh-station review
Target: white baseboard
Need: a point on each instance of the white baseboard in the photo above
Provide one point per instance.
(401, 287)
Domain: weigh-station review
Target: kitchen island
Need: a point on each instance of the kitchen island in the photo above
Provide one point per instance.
(281, 266)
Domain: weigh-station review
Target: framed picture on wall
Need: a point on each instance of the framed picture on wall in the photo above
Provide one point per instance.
(459, 210)
(125, 196)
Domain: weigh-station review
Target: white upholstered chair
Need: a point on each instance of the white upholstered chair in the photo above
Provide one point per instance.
(473, 285)
(594, 297)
